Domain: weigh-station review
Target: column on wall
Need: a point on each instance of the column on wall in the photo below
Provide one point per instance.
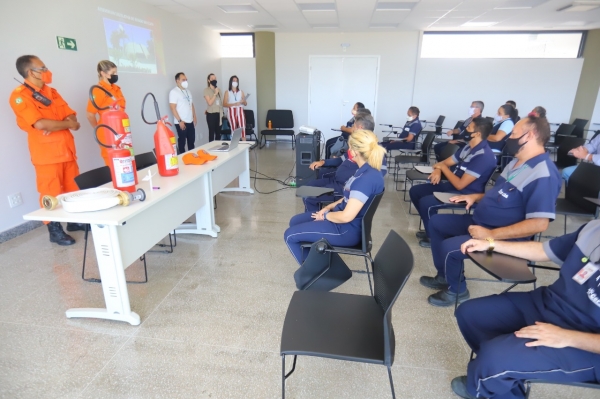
(264, 44)
(589, 82)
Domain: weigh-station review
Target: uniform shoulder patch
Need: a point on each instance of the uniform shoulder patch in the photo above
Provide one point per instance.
(18, 100)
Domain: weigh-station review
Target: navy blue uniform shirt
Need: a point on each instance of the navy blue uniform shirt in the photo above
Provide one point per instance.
(478, 162)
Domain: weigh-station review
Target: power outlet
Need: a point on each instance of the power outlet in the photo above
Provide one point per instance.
(15, 200)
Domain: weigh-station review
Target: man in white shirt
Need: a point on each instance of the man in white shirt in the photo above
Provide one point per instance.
(184, 113)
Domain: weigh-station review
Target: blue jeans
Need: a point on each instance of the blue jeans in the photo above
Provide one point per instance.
(567, 172)
(303, 228)
(503, 361)
(422, 198)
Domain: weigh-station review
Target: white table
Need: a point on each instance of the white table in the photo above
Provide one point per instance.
(123, 234)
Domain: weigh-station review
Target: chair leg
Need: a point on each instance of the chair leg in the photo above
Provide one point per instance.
(459, 274)
(368, 273)
(391, 382)
(283, 376)
(565, 225)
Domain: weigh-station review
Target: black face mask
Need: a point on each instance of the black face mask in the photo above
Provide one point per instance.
(468, 136)
(512, 146)
(113, 79)
(213, 82)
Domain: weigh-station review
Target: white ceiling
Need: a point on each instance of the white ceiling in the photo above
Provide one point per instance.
(374, 15)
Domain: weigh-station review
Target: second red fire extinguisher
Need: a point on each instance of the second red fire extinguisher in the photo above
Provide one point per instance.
(122, 168)
(165, 143)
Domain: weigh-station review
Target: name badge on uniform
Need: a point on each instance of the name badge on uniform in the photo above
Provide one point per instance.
(585, 273)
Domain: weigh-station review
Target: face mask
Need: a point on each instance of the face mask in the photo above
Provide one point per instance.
(184, 84)
(45, 76)
(410, 118)
(468, 136)
(471, 111)
(213, 82)
(512, 146)
(350, 157)
(498, 118)
(113, 79)
(353, 112)
(234, 84)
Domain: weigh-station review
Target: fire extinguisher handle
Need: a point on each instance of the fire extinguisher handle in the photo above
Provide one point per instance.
(96, 134)
(155, 109)
(92, 99)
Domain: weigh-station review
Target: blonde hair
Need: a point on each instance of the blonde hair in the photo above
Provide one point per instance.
(105, 66)
(365, 143)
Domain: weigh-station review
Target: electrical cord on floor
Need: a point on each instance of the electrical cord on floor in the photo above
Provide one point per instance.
(266, 177)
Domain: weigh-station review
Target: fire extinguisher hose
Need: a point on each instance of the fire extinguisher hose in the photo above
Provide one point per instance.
(93, 199)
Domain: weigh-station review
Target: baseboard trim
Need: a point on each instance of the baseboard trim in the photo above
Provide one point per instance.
(19, 230)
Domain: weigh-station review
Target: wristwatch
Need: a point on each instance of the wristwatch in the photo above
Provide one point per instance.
(179, 121)
(490, 240)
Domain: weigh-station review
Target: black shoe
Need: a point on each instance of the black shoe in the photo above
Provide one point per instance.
(76, 226)
(445, 298)
(459, 386)
(421, 235)
(58, 236)
(437, 282)
(425, 243)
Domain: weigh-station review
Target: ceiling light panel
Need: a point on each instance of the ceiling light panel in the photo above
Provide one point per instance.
(580, 7)
(383, 26)
(238, 9)
(479, 24)
(262, 26)
(327, 7)
(324, 26)
(395, 6)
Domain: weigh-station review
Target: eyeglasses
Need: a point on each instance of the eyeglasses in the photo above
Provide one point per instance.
(42, 69)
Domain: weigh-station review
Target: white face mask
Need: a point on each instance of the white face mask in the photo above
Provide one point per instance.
(498, 118)
(471, 111)
(184, 84)
(234, 84)
(410, 118)
(353, 112)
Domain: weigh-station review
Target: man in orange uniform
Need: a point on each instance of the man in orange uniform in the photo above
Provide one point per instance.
(46, 118)
(107, 79)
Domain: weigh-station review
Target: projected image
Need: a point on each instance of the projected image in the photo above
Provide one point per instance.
(131, 47)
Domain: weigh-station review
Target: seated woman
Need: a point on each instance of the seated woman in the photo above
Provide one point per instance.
(408, 137)
(346, 131)
(503, 126)
(340, 222)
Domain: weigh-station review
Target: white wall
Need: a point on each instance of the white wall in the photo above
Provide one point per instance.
(396, 76)
(245, 70)
(448, 86)
(188, 48)
(595, 117)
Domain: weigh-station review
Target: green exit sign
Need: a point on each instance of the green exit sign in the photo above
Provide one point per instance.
(66, 43)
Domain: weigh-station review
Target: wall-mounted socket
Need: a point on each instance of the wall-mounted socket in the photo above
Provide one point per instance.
(15, 200)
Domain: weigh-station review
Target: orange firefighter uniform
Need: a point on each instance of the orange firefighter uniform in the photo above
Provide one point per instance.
(102, 100)
(52, 155)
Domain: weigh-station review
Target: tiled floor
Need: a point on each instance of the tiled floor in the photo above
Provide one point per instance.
(212, 314)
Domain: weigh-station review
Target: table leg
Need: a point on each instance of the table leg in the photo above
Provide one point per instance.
(205, 216)
(112, 273)
(243, 178)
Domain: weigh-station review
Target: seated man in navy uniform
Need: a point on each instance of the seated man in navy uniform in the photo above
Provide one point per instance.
(551, 333)
(345, 130)
(458, 134)
(521, 204)
(472, 168)
(408, 137)
(335, 172)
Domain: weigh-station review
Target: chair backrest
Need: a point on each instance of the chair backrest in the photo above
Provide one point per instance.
(426, 147)
(280, 118)
(564, 130)
(448, 151)
(489, 118)
(584, 182)
(249, 114)
(142, 161)
(367, 223)
(563, 159)
(392, 267)
(579, 126)
(439, 123)
(93, 178)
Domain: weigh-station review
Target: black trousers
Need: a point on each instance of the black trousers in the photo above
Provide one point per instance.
(214, 126)
(189, 135)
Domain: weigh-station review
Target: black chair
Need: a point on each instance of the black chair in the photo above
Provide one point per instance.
(564, 130)
(563, 159)
(584, 182)
(92, 179)
(438, 125)
(282, 123)
(250, 123)
(145, 160)
(414, 175)
(364, 248)
(346, 326)
(421, 156)
(527, 389)
(579, 127)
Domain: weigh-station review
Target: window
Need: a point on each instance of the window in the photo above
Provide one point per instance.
(237, 45)
(502, 44)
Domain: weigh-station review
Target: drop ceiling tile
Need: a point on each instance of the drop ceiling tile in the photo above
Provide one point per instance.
(175, 9)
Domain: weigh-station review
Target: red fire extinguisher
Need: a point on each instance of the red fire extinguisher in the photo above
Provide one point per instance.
(119, 136)
(165, 143)
(122, 168)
